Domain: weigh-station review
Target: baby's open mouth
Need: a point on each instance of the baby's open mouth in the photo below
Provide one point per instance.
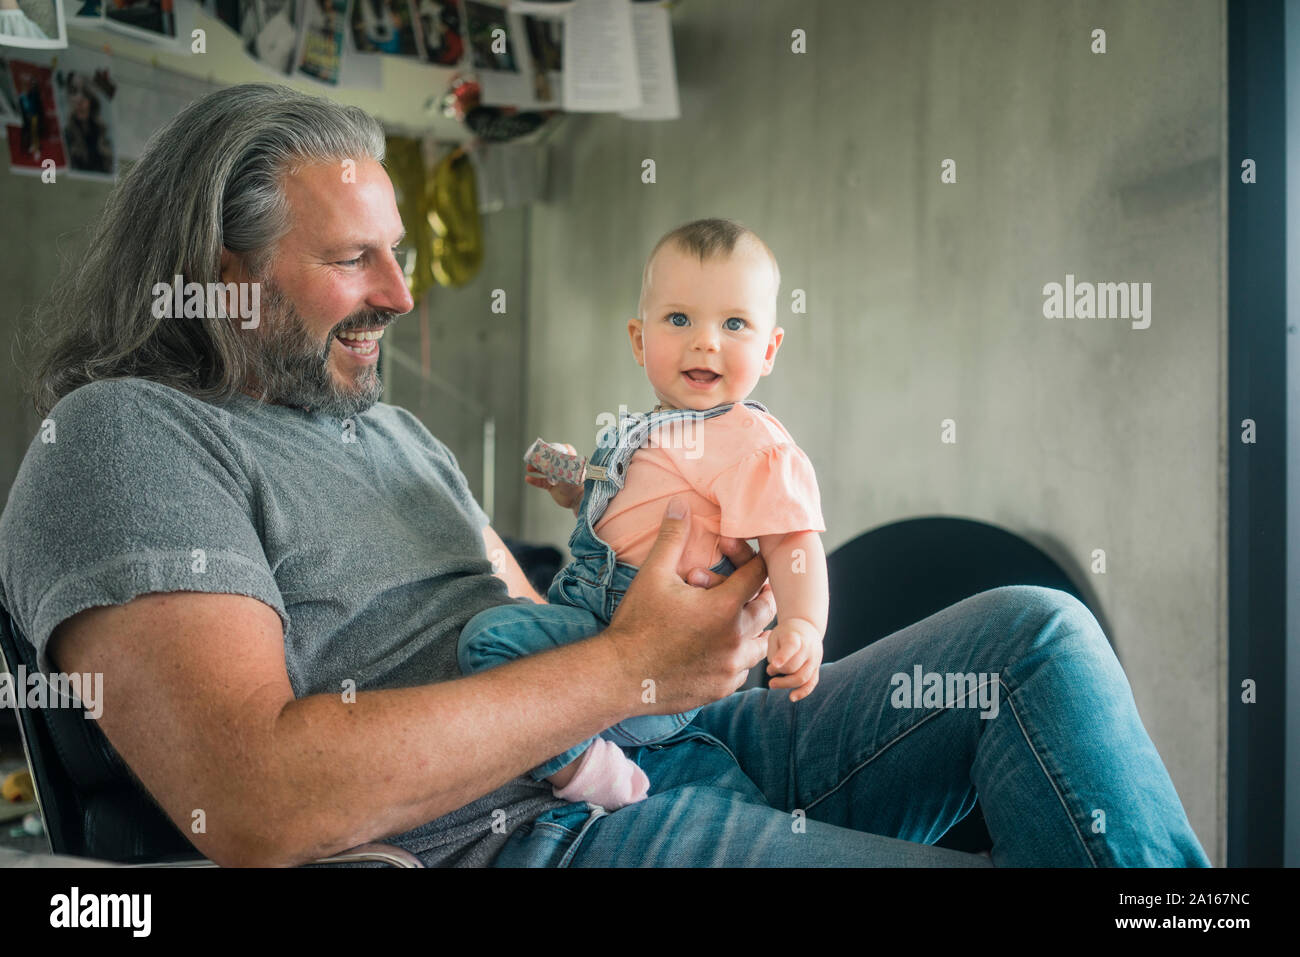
(702, 376)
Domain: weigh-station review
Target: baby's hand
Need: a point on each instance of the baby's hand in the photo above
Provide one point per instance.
(564, 493)
(794, 651)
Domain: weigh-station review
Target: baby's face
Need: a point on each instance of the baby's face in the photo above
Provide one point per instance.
(710, 330)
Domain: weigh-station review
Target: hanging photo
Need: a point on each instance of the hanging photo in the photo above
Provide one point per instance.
(440, 31)
(323, 31)
(85, 95)
(492, 50)
(229, 12)
(87, 12)
(8, 100)
(36, 136)
(270, 32)
(145, 19)
(546, 48)
(385, 26)
(502, 46)
(33, 24)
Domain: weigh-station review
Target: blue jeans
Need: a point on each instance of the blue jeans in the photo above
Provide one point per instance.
(579, 608)
(859, 774)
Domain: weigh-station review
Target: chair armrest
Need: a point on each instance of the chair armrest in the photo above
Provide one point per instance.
(385, 853)
(381, 853)
(13, 858)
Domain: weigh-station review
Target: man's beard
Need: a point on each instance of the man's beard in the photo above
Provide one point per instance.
(290, 368)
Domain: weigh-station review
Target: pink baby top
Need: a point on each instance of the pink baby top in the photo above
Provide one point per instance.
(741, 473)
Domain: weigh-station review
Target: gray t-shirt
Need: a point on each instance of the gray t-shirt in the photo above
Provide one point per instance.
(362, 535)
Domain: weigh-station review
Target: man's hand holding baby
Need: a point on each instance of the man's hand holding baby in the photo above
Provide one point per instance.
(696, 644)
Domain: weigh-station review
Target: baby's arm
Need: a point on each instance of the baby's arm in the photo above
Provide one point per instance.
(796, 567)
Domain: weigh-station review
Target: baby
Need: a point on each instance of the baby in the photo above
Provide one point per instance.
(706, 332)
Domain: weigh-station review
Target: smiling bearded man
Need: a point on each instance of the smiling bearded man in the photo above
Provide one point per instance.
(290, 367)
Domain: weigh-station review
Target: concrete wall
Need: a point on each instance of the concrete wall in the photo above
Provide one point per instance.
(478, 354)
(42, 229)
(925, 299)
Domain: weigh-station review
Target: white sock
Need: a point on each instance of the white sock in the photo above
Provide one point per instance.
(607, 777)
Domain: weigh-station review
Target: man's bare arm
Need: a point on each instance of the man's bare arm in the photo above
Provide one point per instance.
(198, 703)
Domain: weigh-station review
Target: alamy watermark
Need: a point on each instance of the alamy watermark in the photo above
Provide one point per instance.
(74, 909)
(213, 300)
(59, 690)
(1103, 300)
(682, 433)
(953, 689)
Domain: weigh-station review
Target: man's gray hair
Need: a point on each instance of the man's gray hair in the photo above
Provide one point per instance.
(211, 178)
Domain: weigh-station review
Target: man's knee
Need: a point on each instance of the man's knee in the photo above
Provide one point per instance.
(1048, 616)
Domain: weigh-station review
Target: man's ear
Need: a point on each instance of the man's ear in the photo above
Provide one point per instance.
(232, 266)
(773, 345)
(638, 342)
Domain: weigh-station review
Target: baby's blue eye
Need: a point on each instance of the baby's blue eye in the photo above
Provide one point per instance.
(672, 317)
(735, 328)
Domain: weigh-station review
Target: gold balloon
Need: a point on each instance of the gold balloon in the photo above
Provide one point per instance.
(405, 165)
(454, 219)
(440, 211)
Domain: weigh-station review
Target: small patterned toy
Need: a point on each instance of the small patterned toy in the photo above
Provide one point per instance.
(559, 463)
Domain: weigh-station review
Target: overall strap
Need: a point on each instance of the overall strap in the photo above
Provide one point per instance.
(632, 430)
(608, 464)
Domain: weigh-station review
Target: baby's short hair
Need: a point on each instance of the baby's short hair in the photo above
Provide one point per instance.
(707, 239)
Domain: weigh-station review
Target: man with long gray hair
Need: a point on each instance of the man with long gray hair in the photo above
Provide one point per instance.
(271, 568)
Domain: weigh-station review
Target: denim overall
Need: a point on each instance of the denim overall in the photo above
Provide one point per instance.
(586, 593)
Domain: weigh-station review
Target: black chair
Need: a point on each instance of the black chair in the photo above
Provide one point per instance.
(91, 805)
(539, 563)
(897, 574)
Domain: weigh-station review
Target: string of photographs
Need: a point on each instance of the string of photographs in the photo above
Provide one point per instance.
(618, 56)
(573, 55)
